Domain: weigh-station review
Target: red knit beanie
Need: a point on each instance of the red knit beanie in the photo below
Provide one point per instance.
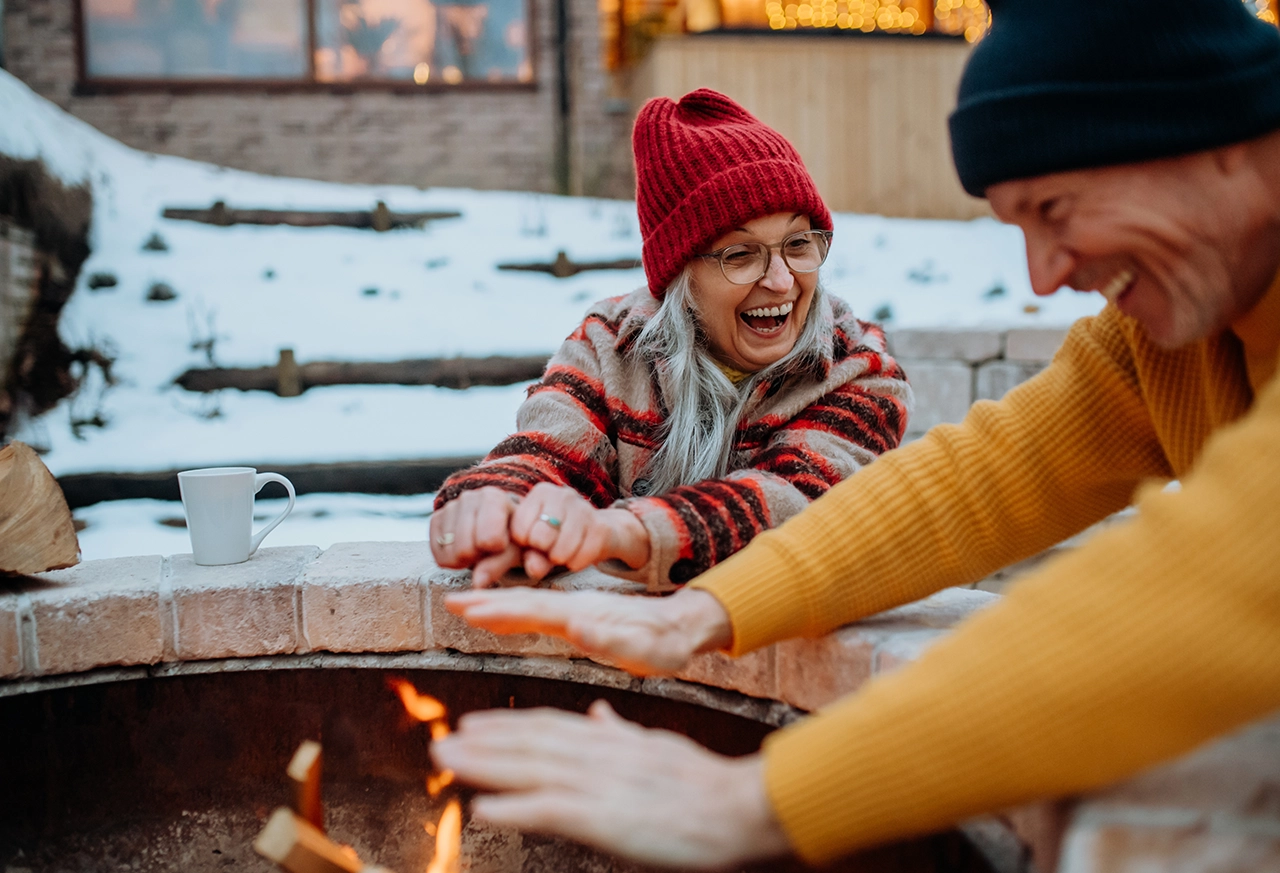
(704, 166)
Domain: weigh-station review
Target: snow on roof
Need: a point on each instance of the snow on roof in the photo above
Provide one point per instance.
(245, 292)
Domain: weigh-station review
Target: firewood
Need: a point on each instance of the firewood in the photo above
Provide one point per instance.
(304, 771)
(36, 530)
(297, 847)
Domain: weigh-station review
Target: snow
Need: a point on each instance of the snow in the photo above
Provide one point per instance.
(244, 293)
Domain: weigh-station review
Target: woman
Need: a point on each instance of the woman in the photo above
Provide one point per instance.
(681, 420)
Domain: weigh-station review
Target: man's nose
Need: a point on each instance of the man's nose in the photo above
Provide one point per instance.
(1050, 266)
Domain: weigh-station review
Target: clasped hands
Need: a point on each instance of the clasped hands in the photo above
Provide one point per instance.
(493, 531)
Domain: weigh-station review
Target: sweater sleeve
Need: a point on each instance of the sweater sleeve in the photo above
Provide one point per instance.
(563, 434)
(693, 527)
(1148, 640)
(1060, 452)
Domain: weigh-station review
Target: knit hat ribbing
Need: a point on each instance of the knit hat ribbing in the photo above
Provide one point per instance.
(1067, 86)
(704, 166)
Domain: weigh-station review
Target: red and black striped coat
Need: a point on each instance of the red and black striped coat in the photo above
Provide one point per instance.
(594, 420)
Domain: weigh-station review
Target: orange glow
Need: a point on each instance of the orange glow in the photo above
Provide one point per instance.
(423, 707)
(448, 840)
(437, 782)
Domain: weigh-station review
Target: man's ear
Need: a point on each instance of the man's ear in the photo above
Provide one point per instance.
(1231, 159)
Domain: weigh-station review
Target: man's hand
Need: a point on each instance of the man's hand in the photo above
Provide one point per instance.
(472, 531)
(561, 528)
(649, 795)
(643, 635)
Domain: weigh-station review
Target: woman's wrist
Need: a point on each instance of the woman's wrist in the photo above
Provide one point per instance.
(630, 538)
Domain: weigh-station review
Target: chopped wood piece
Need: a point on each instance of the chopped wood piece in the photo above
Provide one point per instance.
(297, 847)
(304, 770)
(36, 530)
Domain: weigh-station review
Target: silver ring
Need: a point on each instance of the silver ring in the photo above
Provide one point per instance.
(550, 519)
(444, 539)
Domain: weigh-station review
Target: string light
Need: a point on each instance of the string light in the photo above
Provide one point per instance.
(968, 18)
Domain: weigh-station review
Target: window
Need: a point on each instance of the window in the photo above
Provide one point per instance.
(407, 42)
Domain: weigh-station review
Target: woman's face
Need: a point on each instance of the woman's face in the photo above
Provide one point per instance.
(752, 326)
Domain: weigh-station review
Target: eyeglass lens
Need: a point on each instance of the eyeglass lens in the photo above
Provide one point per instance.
(802, 253)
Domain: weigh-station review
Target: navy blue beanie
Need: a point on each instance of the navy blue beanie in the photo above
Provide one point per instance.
(1064, 86)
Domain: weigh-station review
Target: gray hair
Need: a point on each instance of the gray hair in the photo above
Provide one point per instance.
(704, 406)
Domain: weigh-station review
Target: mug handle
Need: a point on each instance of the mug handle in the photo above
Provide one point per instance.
(258, 481)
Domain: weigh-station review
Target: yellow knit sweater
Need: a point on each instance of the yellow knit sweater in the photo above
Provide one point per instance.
(1153, 637)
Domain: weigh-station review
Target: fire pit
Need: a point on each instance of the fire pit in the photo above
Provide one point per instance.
(153, 707)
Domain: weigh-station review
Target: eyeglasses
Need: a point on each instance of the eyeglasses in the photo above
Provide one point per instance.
(745, 263)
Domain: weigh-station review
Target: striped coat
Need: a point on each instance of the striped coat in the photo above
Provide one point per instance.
(595, 418)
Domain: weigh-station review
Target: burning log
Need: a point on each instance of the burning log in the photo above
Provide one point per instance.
(36, 530)
(304, 771)
(298, 847)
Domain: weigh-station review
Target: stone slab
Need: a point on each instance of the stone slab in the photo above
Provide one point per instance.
(239, 610)
(367, 597)
(1033, 343)
(755, 673)
(448, 631)
(942, 389)
(814, 673)
(994, 379)
(99, 614)
(970, 346)
(10, 638)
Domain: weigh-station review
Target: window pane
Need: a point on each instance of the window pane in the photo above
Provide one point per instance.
(447, 41)
(196, 39)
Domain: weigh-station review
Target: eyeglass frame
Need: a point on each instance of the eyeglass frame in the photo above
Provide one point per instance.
(718, 254)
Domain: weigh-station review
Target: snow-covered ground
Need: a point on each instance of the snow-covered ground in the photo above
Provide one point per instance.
(243, 293)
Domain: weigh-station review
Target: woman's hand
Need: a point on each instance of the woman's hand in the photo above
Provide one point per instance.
(649, 795)
(472, 530)
(560, 527)
(643, 635)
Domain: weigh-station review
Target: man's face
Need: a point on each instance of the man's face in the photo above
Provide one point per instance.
(1153, 238)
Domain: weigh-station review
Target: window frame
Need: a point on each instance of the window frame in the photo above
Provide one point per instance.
(87, 85)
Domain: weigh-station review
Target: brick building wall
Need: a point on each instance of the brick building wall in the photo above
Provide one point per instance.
(492, 139)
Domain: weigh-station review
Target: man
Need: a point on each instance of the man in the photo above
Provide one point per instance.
(1139, 152)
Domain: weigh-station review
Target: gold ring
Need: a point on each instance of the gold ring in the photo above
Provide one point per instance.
(445, 539)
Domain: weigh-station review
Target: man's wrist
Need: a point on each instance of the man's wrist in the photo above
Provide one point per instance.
(700, 615)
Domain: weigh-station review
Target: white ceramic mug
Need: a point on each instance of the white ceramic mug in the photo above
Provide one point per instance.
(219, 506)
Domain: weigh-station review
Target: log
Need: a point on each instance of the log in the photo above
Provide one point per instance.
(297, 847)
(441, 372)
(36, 530)
(419, 476)
(378, 218)
(304, 772)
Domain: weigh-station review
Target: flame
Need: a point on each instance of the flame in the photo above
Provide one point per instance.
(448, 832)
(448, 840)
(423, 707)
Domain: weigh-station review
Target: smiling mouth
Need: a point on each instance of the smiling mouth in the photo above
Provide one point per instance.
(1119, 283)
(767, 319)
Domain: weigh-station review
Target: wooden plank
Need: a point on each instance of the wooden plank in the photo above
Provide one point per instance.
(458, 373)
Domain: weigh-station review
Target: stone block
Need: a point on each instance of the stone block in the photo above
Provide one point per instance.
(813, 673)
(98, 614)
(238, 610)
(970, 346)
(943, 391)
(755, 673)
(1032, 344)
(10, 637)
(994, 379)
(366, 597)
(449, 631)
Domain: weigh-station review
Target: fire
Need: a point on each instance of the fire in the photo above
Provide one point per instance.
(448, 832)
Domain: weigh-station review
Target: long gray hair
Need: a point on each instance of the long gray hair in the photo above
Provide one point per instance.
(705, 407)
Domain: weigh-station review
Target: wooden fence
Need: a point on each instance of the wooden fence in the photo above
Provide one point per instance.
(868, 115)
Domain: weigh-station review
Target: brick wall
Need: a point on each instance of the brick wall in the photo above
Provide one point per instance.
(504, 138)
